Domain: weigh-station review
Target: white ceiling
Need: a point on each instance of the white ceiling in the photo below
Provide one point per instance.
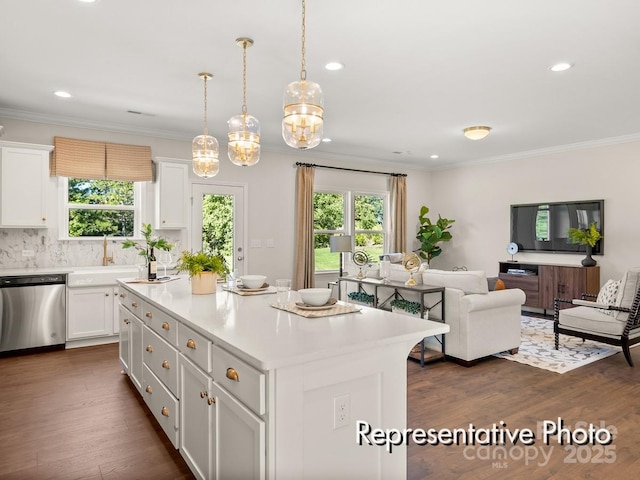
(416, 71)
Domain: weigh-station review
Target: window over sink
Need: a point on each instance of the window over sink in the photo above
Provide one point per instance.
(98, 208)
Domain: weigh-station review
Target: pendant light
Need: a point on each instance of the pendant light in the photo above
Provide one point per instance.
(205, 147)
(303, 107)
(244, 129)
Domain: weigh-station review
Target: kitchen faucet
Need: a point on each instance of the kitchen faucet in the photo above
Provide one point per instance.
(106, 260)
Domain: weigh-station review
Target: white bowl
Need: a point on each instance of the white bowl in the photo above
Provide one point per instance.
(253, 281)
(315, 296)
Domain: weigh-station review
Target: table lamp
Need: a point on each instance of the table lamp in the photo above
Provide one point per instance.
(340, 243)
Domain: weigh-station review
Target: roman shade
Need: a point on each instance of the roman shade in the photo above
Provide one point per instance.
(100, 161)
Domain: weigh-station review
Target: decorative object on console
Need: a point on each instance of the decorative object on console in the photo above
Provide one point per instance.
(512, 249)
(411, 263)
(303, 107)
(431, 234)
(204, 270)
(362, 298)
(244, 129)
(408, 306)
(342, 244)
(587, 236)
(205, 147)
(361, 259)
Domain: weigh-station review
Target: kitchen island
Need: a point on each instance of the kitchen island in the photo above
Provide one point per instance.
(245, 390)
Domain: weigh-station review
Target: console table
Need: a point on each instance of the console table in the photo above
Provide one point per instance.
(396, 289)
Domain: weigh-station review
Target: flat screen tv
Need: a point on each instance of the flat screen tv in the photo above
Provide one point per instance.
(542, 227)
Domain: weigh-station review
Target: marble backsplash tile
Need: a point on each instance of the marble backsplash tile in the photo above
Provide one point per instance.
(48, 251)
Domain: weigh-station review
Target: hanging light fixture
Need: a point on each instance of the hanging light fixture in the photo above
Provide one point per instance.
(244, 129)
(303, 109)
(205, 147)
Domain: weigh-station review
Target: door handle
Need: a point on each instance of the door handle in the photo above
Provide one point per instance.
(240, 258)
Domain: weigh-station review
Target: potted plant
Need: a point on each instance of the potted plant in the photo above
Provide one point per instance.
(400, 305)
(157, 243)
(431, 234)
(204, 270)
(587, 236)
(362, 298)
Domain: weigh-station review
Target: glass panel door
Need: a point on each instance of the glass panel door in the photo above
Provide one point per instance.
(218, 222)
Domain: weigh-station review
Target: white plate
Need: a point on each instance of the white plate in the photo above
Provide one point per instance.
(261, 289)
(303, 306)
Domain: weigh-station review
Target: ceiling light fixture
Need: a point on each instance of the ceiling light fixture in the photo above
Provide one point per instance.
(244, 129)
(560, 67)
(333, 66)
(476, 133)
(303, 107)
(62, 94)
(205, 147)
(434, 157)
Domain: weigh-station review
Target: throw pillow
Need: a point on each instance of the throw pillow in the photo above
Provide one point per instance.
(608, 294)
(500, 284)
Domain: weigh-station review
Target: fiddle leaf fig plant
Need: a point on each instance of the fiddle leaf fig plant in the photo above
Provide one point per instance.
(588, 236)
(430, 234)
(157, 243)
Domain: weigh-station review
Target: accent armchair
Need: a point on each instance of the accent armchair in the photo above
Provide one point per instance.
(613, 320)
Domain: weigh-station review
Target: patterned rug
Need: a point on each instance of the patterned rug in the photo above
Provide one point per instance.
(537, 348)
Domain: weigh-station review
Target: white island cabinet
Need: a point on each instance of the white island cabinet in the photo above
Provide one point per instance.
(266, 394)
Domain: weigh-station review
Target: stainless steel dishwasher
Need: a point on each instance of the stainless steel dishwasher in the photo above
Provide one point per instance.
(33, 309)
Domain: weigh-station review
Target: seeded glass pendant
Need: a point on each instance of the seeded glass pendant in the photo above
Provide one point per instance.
(244, 129)
(303, 107)
(205, 147)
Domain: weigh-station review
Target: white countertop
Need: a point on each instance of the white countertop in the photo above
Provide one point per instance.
(270, 338)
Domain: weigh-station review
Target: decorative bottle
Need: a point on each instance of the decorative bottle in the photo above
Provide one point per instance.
(152, 266)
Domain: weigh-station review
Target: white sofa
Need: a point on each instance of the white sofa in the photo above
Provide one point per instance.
(482, 322)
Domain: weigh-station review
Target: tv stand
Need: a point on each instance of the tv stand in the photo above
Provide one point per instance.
(542, 282)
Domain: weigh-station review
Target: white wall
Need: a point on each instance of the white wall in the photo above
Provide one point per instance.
(271, 198)
(478, 198)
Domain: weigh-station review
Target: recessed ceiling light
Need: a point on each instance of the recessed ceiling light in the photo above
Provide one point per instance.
(333, 66)
(434, 156)
(62, 94)
(326, 140)
(88, 1)
(560, 67)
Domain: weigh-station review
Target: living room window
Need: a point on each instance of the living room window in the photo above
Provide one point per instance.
(361, 215)
(98, 208)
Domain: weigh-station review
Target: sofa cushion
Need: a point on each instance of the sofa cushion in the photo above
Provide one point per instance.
(590, 320)
(608, 295)
(627, 292)
(471, 281)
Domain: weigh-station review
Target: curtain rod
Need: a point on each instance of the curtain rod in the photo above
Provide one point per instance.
(300, 164)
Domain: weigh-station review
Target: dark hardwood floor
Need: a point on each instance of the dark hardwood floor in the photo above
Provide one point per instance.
(72, 415)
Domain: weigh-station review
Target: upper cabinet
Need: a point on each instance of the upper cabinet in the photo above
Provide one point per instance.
(24, 177)
(171, 192)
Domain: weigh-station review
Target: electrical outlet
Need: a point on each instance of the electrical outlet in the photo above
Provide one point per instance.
(27, 253)
(341, 411)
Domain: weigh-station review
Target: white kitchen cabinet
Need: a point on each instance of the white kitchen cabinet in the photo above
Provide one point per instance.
(135, 365)
(124, 346)
(171, 191)
(130, 335)
(24, 172)
(90, 312)
(197, 420)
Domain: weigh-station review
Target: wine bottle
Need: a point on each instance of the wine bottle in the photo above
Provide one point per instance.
(153, 267)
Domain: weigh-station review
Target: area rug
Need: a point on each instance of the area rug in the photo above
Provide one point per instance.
(537, 348)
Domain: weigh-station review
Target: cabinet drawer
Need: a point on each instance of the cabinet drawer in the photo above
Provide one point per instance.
(163, 405)
(524, 282)
(240, 379)
(161, 323)
(131, 302)
(161, 358)
(195, 347)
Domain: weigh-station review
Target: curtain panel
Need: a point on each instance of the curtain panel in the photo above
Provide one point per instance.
(398, 200)
(304, 262)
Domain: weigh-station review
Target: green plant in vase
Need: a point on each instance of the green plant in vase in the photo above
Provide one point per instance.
(586, 236)
(157, 243)
(204, 270)
(408, 306)
(430, 234)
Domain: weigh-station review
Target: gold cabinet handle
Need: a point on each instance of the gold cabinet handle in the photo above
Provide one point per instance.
(203, 394)
(165, 411)
(165, 364)
(122, 295)
(44, 219)
(148, 315)
(191, 343)
(232, 374)
(165, 325)
(148, 389)
(106, 294)
(211, 400)
(149, 348)
(126, 321)
(134, 304)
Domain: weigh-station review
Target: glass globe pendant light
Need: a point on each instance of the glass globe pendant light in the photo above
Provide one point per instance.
(244, 129)
(303, 107)
(205, 147)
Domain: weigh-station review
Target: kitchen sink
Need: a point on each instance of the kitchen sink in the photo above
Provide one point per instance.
(100, 276)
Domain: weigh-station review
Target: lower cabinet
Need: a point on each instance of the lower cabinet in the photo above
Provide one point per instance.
(91, 313)
(124, 346)
(135, 358)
